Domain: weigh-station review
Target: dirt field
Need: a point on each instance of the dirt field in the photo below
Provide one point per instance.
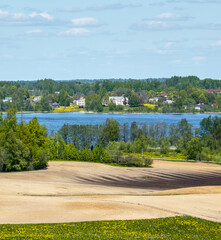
(74, 191)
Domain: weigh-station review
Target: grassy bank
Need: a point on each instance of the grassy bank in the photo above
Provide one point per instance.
(163, 228)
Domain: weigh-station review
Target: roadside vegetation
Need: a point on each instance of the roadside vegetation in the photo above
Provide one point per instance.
(162, 228)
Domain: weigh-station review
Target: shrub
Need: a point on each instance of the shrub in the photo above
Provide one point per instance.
(217, 159)
(41, 159)
(136, 161)
(147, 161)
(115, 156)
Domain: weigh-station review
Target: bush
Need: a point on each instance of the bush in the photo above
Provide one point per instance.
(3, 159)
(115, 156)
(70, 152)
(119, 108)
(148, 161)
(131, 160)
(41, 160)
(217, 159)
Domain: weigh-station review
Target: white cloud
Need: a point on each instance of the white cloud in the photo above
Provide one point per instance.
(41, 15)
(8, 56)
(3, 14)
(70, 9)
(115, 6)
(34, 31)
(74, 32)
(171, 17)
(218, 43)
(195, 1)
(100, 7)
(169, 44)
(150, 25)
(84, 53)
(186, 1)
(199, 59)
(80, 22)
(161, 51)
(22, 18)
(178, 61)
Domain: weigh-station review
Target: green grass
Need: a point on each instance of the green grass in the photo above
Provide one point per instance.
(169, 156)
(163, 228)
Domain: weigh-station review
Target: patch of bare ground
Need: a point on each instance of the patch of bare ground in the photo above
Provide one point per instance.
(76, 191)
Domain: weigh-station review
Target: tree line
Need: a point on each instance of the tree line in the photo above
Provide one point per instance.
(202, 143)
(27, 146)
(185, 92)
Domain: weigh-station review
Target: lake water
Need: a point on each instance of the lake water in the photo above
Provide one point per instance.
(54, 121)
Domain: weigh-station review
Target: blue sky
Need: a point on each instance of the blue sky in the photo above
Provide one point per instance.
(91, 39)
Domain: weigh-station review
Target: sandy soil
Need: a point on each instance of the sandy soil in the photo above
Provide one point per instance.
(75, 191)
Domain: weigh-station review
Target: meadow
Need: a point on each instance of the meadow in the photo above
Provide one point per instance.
(163, 228)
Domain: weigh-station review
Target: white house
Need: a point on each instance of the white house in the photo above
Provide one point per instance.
(7, 99)
(153, 100)
(80, 102)
(169, 101)
(37, 99)
(199, 106)
(119, 100)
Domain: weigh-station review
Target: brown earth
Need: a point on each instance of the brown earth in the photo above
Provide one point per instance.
(76, 191)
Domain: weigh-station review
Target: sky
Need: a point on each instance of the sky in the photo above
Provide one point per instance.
(97, 39)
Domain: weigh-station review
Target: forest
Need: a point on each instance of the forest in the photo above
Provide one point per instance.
(172, 95)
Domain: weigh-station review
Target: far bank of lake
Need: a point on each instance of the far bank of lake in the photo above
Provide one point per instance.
(54, 121)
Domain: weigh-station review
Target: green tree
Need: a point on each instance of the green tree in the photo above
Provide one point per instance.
(112, 106)
(110, 132)
(100, 154)
(165, 146)
(24, 145)
(134, 131)
(133, 100)
(202, 98)
(44, 105)
(218, 101)
(70, 152)
(193, 148)
(93, 103)
(210, 131)
(64, 98)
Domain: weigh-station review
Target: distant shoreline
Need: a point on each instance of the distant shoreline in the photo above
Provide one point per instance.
(90, 112)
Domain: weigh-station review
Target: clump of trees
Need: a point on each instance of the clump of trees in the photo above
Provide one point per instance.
(196, 144)
(22, 146)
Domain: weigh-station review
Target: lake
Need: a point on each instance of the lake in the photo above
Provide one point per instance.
(54, 121)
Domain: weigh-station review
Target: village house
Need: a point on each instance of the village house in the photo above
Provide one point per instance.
(153, 100)
(169, 102)
(80, 102)
(199, 106)
(165, 95)
(54, 105)
(119, 100)
(213, 90)
(37, 99)
(7, 99)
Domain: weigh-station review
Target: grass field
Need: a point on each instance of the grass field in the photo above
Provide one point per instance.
(163, 228)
